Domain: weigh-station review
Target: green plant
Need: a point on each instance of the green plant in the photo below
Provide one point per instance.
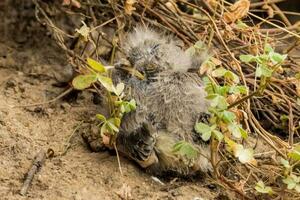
(266, 64)
(98, 73)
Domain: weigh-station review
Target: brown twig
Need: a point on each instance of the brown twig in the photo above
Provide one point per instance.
(36, 165)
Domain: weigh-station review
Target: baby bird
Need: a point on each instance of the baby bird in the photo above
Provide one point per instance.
(170, 100)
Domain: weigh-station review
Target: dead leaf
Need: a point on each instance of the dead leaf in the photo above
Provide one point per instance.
(74, 3)
(237, 11)
(238, 113)
(212, 3)
(84, 31)
(269, 9)
(129, 8)
(240, 185)
(232, 98)
(275, 100)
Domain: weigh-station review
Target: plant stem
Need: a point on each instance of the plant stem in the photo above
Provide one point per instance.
(243, 99)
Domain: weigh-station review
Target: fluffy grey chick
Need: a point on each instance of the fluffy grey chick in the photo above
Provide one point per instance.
(169, 103)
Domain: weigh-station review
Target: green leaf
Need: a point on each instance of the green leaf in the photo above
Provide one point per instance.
(106, 82)
(116, 121)
(277, 58)
(97, 66)
(285, 163)
(219, 72)
(111, 124)
(235, 130)
(295, 153)
(186, 149)
(132, 104)
(268, 48)
(104, 129)
(218, 101)
(244, 155)
(204, 130)
(102, 118)
(263, 71)
(228, 116)
(84, 31)
(243, 133)
(200, 45)
(222, 90)
(238, 89)
(232, 76)
(218, 135)
(82, 82)
(291, 183)
(297, 188)
(247, 58)
(261, 188)
(122, 108)
(190, 51)
(119, 89)
(241, 25)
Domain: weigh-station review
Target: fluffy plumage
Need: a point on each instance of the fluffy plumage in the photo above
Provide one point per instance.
(170, 101)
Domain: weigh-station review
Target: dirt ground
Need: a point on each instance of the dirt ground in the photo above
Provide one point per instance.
(26, 77)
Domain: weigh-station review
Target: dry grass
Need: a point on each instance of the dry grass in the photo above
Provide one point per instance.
(205, 22)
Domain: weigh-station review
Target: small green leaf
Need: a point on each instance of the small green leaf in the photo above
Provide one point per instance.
(102, 118)
(122, 108)
(222, 90)
(285, 163)
(297, 188)
(244, 155)
(104, 129)
(290, 181)
(82, 82)
(263, 71)
(247, 58)
(190, 51)
(97, 66)
(295, 153)
(219, 72)
(243, 133)
(234, 130)
(218, 135)
(106, 82)
(261, 188)
(185, 149)
(228, 116)
(268, 48)
(132, 104)
(238, 89)
(232, 76)
(204, 130)
(84, 31)
(110, 124)
(119, 89)
(241, 25)
(218, 101)
(277, 58)
(200, 45)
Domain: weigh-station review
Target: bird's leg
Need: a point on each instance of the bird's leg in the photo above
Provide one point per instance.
(139, 145)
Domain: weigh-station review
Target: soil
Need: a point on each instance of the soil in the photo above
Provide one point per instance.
(26, 76)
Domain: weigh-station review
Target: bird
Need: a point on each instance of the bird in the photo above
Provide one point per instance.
(170, 101)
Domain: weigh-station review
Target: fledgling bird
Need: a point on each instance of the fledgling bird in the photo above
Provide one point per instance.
(170, 100)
